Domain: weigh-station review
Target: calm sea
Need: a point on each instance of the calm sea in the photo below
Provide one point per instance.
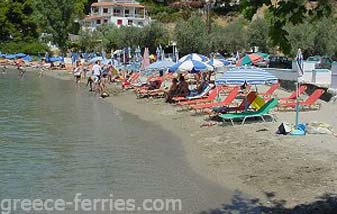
(57, 140)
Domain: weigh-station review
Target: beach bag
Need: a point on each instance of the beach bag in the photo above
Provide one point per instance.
(284, 129)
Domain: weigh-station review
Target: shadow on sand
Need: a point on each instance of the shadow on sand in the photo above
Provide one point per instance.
(326, 204)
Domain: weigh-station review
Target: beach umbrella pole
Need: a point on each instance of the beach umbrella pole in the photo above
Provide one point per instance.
(297, 118)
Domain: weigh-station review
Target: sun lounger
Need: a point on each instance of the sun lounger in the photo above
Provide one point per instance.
(213, 94)
(301, 90)
(246, 102)
(201, 95)
(263, 112)
(228, 100)
(310, 103)
(271, 90)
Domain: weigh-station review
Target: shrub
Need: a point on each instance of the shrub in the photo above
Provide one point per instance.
(27, 47)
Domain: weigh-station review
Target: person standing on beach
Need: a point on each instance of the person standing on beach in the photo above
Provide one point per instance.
(95, 75)
(77, 72)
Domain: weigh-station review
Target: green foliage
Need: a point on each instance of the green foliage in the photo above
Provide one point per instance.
(258, 34)
(286, 12)
(57, 18)
(17, 21)
(112, 37)
(235, 34)
(32, 47)
(191, 35)
(314, 38)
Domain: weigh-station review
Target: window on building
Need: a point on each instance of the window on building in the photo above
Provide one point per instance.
(105, 21)
(117, 12)
(130, 22)
(95, 10)
(140, 23)
(119, 21)
(98, 22)
(105, 10)
(127, 12)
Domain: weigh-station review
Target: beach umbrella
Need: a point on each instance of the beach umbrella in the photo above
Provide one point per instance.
(161, 65)
(55, 59)
(218, 63)
(20, 55)
(106, 61)
(163, 55)
(176, 54)
(95, 59)
(249, 59)
(146, 60)
(192, 66)
(300, 73)
(263, 55)
(158, 52)
(10, 56)
(27, 58)
(250, 76)
(194, 56)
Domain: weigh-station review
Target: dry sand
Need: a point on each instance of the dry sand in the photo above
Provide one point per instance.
(277, 170)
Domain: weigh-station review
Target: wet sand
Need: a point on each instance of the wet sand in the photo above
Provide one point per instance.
(277, 171)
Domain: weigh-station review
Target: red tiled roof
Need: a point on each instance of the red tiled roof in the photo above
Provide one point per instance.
(102, 4)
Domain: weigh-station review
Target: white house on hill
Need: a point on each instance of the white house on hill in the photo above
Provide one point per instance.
(118, 12)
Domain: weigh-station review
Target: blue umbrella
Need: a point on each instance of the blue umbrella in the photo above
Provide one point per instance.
(55, 59)
(192, 66)
(106, 61)
(27, 58)
(95, 59)
(194, 56)
(218, 63)
(250, 76)
(20, 55)
(10, 56)
(161, 65)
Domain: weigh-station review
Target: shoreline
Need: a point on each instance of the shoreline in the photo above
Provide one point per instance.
(244, 158)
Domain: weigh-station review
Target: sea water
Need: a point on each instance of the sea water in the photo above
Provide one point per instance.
(58, 141)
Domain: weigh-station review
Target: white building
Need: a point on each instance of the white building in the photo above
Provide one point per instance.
(118, 12)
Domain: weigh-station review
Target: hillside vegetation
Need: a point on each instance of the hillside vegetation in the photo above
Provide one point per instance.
(271, 25)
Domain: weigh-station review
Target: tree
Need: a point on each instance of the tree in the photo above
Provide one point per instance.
(284, 12)
(258, 34)
(235, 35)
(154, 35)
(191, 35)
(318, 37)
(17, 21)
(301, 36)
(326, 38)
(57, 18)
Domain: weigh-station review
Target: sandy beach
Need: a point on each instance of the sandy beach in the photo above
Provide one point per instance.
(271, 170)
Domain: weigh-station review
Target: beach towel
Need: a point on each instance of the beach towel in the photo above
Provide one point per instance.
(258, 102)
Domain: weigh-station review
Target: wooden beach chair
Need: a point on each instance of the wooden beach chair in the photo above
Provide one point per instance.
(262, 113)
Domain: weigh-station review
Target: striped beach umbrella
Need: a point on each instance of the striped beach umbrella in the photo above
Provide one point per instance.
(250, 76)
(191, 66)
(194, 56)
(218, 63)
(161, 65)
